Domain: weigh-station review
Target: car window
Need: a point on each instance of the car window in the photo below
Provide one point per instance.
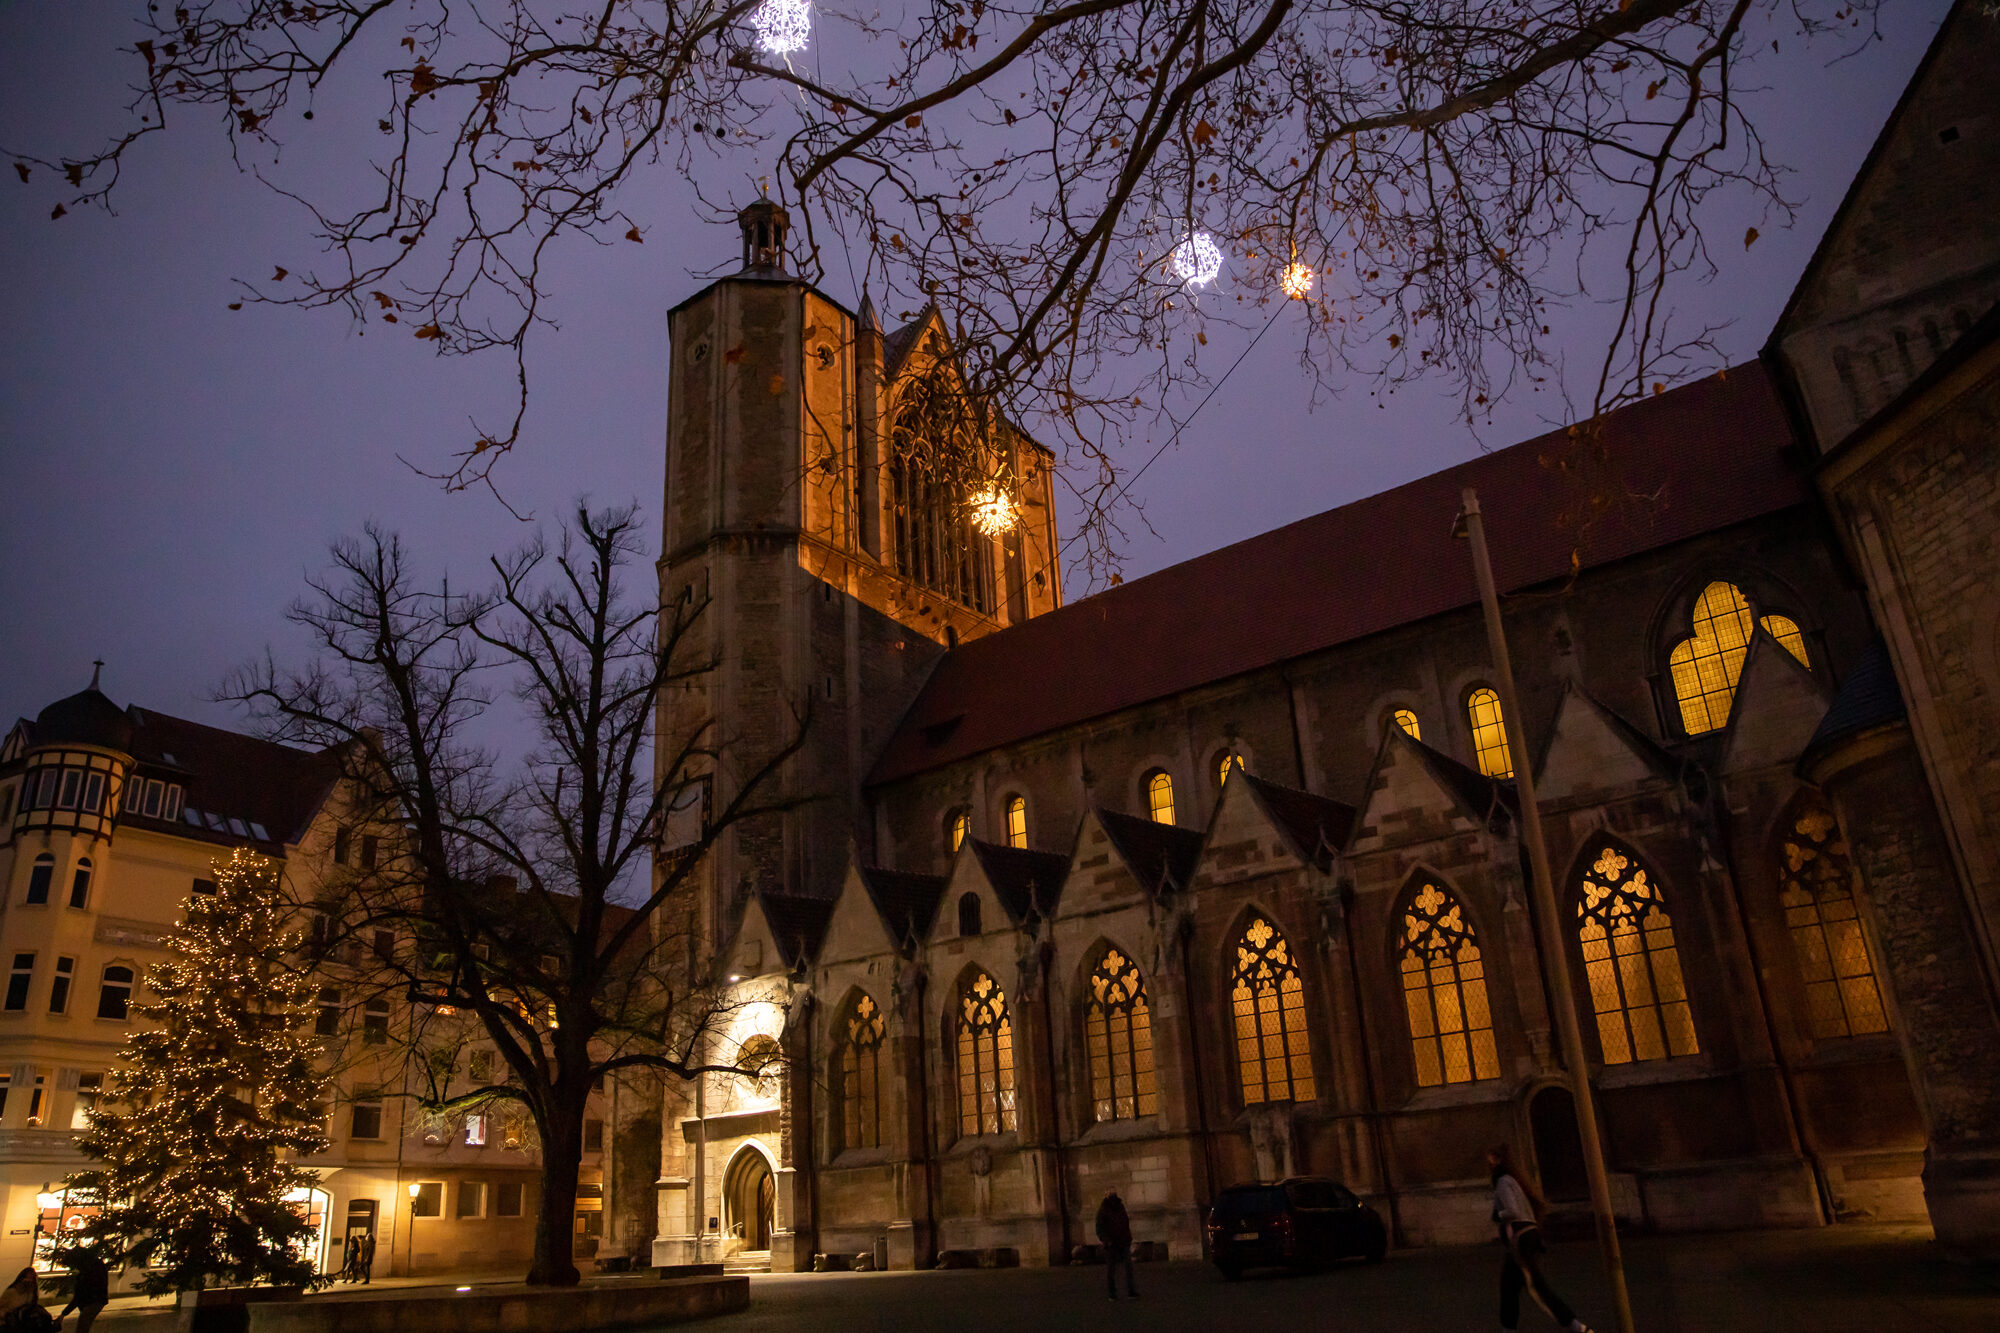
(1245, 1200)
(1311, 1193)
(1343, 1197)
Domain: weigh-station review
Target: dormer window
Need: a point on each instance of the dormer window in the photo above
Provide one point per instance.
(968, 915)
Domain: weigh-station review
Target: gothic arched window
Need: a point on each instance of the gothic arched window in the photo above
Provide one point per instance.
(985, 1058)
(1444, 992)
(1118, 1031)
(860, 1035)
(1489, 733)
(934, 461)
(1160, 797)
(1273, 1056)
(1632, 962)
(955, 826)
(1017, 821)
(1226, 763)
(968, 915)
(1842, 998)
(1707, 663)
(1407, 720)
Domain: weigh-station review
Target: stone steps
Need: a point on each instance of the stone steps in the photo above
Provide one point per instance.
(747, 1261)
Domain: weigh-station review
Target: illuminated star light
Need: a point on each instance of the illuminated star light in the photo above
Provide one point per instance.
(1297, 281)
(993, 512)
(1196, 260)
(782, 25)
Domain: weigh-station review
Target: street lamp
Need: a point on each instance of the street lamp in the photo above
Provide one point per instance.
(410, 1270)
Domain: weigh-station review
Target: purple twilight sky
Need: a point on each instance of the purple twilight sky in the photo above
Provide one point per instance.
(170, 469)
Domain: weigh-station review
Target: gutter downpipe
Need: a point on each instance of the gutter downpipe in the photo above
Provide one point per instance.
(1375, 1113)
(1052, 1102)
(1194, 1067)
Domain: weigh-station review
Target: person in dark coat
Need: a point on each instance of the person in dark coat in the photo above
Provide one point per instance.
(1114, 1233)
(365, 1258)
(350, 1256)
(90, 1288)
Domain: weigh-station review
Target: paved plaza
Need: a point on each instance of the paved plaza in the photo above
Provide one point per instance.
(1875, 1280)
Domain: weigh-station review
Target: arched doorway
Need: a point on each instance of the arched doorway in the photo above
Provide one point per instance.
(1558, 1144)
(750, 1197)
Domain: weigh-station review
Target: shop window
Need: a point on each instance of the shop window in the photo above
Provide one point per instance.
(428, 1201)
(1632, 963)
(1267, 995)
(1407, 720)
(1118, 1034)
(114, 992)
(366, 1122)
(40, 878)
(1160, 797)
(860, 1092)
(507, 1199)
(79, 884)
(1817, 891)
(968, 915)
(985, 1058)
(1489, 733)
(1017, 821)
(59, 988)
(18, 981)
(1444, 992)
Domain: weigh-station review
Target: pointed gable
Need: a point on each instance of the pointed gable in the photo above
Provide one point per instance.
(905, 902)
(1315, 826)
(1778, 707)
(1416, 794)
(1027, 883)
(1160, 856)
(753, 951)
(797, 925)
(1591, 751)
(1259, 828)
(859, 928)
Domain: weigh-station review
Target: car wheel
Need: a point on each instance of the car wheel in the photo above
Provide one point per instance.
(1377, 1248)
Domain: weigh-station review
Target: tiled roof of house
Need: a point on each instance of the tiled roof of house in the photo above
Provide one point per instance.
(1159, 855)
(1867, 699)
(1028, 882)
(798, 924)
(1315, 826)
(906, 901)
(1703, 457)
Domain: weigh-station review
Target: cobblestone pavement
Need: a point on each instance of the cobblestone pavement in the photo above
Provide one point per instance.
(1843, 1280)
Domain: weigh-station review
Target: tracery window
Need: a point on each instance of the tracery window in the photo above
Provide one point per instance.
(1160, 797)
(1017, 821)
(860, 1097)
(1118, 1031)
(1632, 963)
(1842, 997)
(1707, 664)
(934, 461)
(1489, 733)
(985, 1058)
(762, 1061)
(1226, 763)
(1444, 992)
(1407, 720)
(1273, 1056)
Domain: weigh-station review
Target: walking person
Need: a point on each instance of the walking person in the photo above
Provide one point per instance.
(90, 1287)
(365, 1262)
(1114, 1233)
(350, 1256)
(1515, 1212)
(21, 1305)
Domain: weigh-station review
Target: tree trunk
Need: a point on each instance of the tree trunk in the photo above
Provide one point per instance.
(555, 1220)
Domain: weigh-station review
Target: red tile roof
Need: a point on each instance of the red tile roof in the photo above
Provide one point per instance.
(1703, 457)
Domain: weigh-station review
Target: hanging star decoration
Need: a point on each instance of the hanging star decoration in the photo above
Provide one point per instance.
(782, 25)
(1297, 281)
(994, 512)
(1197, 260)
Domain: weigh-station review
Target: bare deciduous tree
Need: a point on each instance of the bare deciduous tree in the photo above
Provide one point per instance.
(551, 903)
(1030, 170)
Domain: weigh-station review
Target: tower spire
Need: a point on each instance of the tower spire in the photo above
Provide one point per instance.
(763, 224)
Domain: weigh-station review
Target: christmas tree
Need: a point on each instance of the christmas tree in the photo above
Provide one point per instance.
(218, 1091)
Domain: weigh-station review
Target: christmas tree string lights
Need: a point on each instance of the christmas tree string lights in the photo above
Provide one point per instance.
(218, 1092)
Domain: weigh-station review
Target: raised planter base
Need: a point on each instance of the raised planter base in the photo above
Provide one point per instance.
(633, 1303)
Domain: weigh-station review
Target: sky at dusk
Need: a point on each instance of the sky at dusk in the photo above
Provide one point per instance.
(171, 469)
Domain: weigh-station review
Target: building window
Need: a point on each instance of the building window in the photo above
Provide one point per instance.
(933, 463)
(202, 888)
(956, 825)
(375, 1022)
(1489, 733)
(1632, 963)
(93, 792)
(38, 1102)
(968, 915)
(1444, 992)
(475, 1129)
(343, 845)
(1273, 1057)
(1226, 763)
(326, 1023)
(479, 1065)
(1817, 891)
(114, 993)
(507, 1199)
(385, 946)
(89, 1087)
(471, 1198)
(370, 846)
(40, 878)
(59, 988)
(79, 884)
(18, 981)
(428, 1201)
(72, 779)
(1017, 821)
(985, 1059)
(1407, 720)
(1118, 1032)
(1707, 663)
(367, 1121)
(860, 1093)
(1160, 797)
(593, 1136)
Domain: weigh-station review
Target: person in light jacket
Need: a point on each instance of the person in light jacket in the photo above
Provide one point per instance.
(1515, 1213)
(1114, 1233)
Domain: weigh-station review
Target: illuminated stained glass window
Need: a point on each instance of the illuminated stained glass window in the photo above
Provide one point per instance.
(1226, 763)
(1407, 720)
(1118, 1029)
(1444, 990)
(955, 826)
(933, 462)
(1632, 963)
(1273, 1057)
(1160, 797)
(1017, 821)
(985, 1059)
(1707, 664)
(1842, 998)
(860, 1035)
(1489, 733)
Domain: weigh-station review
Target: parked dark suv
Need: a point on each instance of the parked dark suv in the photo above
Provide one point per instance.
(1295, 1223)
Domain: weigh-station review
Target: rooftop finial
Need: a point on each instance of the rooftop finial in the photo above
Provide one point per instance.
(96, 669)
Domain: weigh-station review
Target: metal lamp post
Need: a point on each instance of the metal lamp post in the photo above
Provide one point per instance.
(410, 1269)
